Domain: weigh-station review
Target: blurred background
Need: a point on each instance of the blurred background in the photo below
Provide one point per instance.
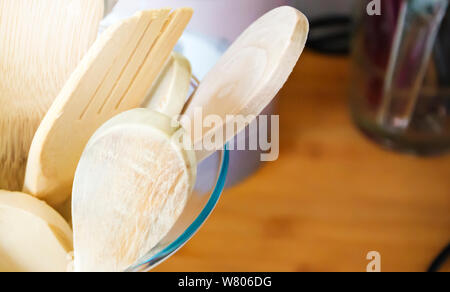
(365, 133)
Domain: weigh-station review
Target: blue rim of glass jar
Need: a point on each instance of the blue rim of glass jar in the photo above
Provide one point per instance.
(197, 224)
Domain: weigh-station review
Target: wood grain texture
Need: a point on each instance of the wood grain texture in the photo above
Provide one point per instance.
(75, 114)
(131, 185)
(41, 43)
(115, 76)
(332, 197)
(248, 76)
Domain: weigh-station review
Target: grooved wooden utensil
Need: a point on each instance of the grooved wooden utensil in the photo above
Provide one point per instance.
(41, 43)
(167, 96)
(114, 76)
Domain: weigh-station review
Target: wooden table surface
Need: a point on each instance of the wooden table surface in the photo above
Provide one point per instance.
(332, 196)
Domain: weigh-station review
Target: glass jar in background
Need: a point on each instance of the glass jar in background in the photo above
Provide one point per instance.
(400, 94)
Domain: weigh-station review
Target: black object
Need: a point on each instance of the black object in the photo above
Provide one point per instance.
(440, 260)
(331, 35)
(442, 52)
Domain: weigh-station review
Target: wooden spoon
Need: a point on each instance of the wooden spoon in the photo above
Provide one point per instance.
(133, 180)
(167, 96)
(169, 93)
(249, 75)
(117, 221)
(33, 236)
(41, 43)
(114, 76)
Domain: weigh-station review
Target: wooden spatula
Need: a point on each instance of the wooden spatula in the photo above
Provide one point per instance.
(41, 43)
(250, 74)
(167, 96)
(114, 76)
(132, 181)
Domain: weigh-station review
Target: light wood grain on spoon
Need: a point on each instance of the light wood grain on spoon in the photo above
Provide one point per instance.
(120, 215)
(249, 75)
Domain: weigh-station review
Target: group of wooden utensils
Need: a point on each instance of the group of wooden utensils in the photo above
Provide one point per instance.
(88, 124)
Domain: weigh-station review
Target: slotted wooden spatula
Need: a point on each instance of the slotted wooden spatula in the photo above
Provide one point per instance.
(133, 180)
(115, 75)
(41, 43)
